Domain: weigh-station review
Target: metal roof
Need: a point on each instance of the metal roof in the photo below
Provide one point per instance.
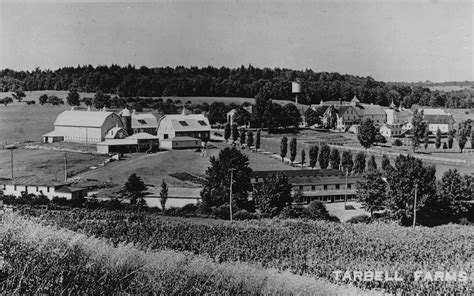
(181, 139)
(145, 120)
(191, 122)
(142, 136)
(32, 181)
(118, 142)
(69, 189)
(82, 118)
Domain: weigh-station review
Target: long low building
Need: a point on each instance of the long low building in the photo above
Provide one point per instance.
(20, 186)
(327, 185)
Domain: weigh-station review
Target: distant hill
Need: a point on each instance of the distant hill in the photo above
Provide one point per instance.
(243, 82)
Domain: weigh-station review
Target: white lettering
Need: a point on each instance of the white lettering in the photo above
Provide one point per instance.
(337, 274)
(347, 276)
(418, 274)
(438, 276)
(378, 276)
(358, 275)
(368, 276)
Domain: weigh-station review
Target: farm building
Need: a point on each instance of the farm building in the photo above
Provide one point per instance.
(356, 112)
(392, 130)
(83, 126)
(135, 143)
(231, 113)
(53, 189)
(184, 125)
(324, 185)
(398, 116)
(180, 143)
(436, 118)
(140, 122)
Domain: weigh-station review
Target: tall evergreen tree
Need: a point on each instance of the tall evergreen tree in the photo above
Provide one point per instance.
(371, 191)
(313, 156)
(227, 132)
(386, 166)
(134, 189)
(273, 195)
(451, 134)
(438, 139)
(418, 129)
(334, 159)
(283, 147)
(216, 187)
(346, 162)
(303, 158)
(235, 133)
(359, 163)
(293, 150)
(242, 137)
(427, 138)
(371, 164)
(462, 138)
(257, 141)
(324, 156)
(163, 195)
(366, 133)
(249, 139)
(410, 173)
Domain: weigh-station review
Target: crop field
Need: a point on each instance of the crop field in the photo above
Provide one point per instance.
(313, 249)
(39, 259)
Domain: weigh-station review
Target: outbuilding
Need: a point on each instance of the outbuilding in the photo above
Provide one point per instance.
(180, 143)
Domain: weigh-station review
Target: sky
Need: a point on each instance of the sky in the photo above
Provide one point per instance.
(390, 40)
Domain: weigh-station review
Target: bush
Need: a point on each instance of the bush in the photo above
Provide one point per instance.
(360, 219)
(221, 212)
(292, 212)
(317, 211)
(244, 215)
(397, 143)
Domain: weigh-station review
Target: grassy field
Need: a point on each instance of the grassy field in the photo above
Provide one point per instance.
(47, 260)
(45, 166)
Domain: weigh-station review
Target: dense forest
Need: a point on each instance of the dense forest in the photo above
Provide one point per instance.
(225, 82)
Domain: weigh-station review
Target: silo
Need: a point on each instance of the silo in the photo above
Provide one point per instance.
(127, 120)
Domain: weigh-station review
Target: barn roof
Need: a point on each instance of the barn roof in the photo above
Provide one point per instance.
(82, 118)
(112, 133)
(145, 120)
(142, 136)
(69, 189)
(191, 122)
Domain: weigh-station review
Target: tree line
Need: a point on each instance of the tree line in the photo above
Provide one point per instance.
(129, 81)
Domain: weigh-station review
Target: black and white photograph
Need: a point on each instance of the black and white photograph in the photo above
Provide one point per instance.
(237, 147)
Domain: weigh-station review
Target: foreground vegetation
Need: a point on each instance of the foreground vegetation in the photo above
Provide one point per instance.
(40, 259)
(306, 248)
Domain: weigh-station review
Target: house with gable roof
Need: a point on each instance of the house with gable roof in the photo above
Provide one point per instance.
(184, 125)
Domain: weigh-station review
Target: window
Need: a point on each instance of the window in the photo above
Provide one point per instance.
(337, 186)
(141, 121)
(313, 187)
(348, 186)
(202, 122)
(325, 187)
(165, 136)
(14, 187)
(48, 189)
(183, 123)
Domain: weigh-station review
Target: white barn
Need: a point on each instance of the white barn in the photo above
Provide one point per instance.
(83, 126)
(54, 189)
(184, 125)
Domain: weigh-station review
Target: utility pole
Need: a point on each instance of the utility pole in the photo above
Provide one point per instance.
(230, 197)
(345, 198)
(11, 161)
(414, 207)
(65, 167)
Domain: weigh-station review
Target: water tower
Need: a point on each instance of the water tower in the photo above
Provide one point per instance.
(296, 89)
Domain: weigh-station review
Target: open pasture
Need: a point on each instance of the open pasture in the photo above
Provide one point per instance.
(44, 166)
